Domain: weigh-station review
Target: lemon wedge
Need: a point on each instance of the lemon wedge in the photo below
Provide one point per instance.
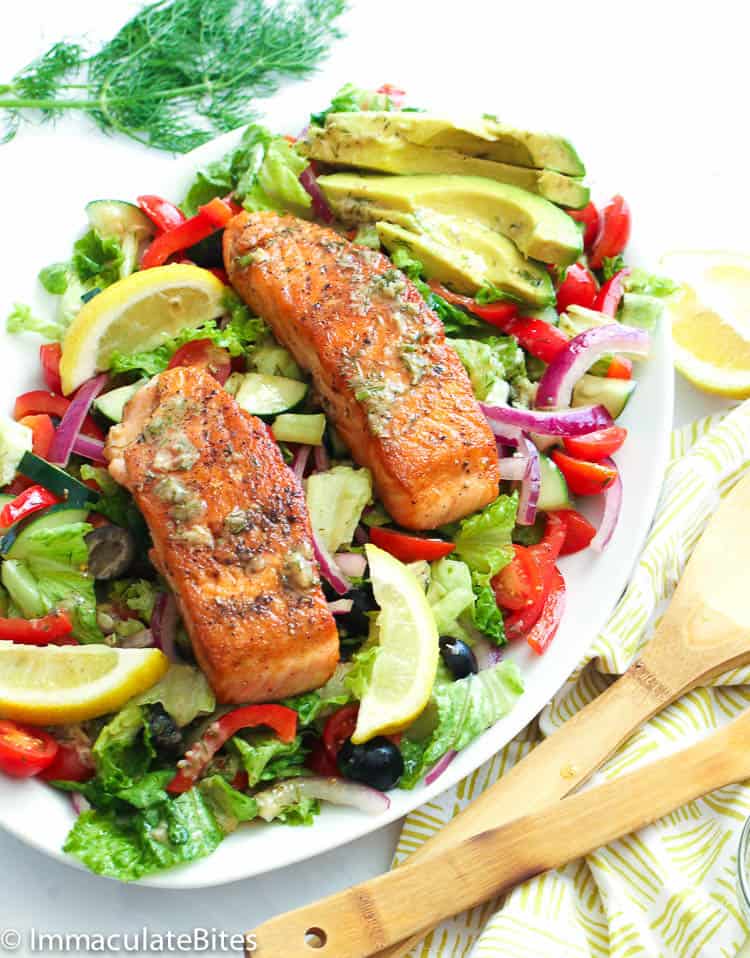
(406, 665)
(55, 685)
(138, 313)
(711, 319)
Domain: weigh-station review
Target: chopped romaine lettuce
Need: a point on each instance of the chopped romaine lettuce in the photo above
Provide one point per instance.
(139, 595)
(97, 259)
(358, 677)
(265, 757)
(335, 500)
(184, 692)
(487, 616)
(54, 278)
(489, 293)
(312, 705)
(286, 804)
(649, 284)
(15, 440)
(228, 805)
(491, 364)
(484, 539)
(123, 751)
(463, 711)
(22, 320)
(450, 595)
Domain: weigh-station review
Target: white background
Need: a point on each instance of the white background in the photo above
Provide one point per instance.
(653, 96)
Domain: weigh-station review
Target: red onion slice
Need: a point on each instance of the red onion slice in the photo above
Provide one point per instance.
(79, 802)
(513, 468)
(89, 448)
(556, 385)
(328, 567)
(320, 458)
(612, 505)
(319, 203)
(568, 422)
(71, 422)
(340, 606)
(338, 791)
(439, 767)
(351, 563)
(531, 485)
(299, 462)
(164, 625)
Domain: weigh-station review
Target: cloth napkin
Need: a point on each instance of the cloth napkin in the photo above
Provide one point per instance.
(668, 891)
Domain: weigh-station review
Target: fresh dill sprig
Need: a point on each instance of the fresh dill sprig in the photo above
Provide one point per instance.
(180, 72)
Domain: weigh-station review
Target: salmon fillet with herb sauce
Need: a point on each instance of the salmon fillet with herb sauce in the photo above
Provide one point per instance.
(386, 376)
(231, 536)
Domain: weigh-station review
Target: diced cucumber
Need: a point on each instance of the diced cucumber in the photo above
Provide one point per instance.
(577, 319)
(267, 395)
(22, 587)
(613, 394)
(56, 480)
(15, 442)
(293, 427)
(112, 404)
(553, 493)
(116, 218)
(335, 500)
(272, 359)
(641, 310)
(15, 546)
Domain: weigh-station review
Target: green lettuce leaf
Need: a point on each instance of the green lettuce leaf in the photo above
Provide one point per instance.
(463, 711)
(489, 293)
(484, 539)
(96, 259)
(487, 616)
(353, 99)
(22, 320)
(148, 790)
(266, 758)
(649, 284)
(184, 692)
(228, 805)
(450, 595)
(491, 364)
(123, 751)
(139, 595)
(358, 677)
(54, 278)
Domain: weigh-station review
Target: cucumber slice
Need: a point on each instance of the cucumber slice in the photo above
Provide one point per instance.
(112, 404)
(267, 395)
(296, 428)
(613, 394)
(116, 218)
(56, 480)
(554, 492)
(274, 360)
(23, 590)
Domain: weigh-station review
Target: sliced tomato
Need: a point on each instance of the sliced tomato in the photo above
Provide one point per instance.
(409, 548)
(320, 761)
(339, 727)
(42, 433)
(584, 478)
(579, 288)
(517, 584)
(578, 531)
(589, 216)
(204, 354)
(24, 751)
(620, 367)
(49, 357)
(281, 719)
(70, 764)
(613, 233)
(596, 445)
(546, 626)
(544, 554)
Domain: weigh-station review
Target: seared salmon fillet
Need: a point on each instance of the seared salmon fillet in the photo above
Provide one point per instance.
(231, 536)
(386, 376)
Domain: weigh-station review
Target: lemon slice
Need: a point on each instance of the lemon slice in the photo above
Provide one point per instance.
(405, 667)
(54, 685)
(711, 320)
(138, 313)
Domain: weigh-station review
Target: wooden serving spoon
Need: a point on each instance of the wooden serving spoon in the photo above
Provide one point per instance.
(705, 631)
(369, 917)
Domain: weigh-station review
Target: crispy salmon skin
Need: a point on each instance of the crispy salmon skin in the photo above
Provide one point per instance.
(231, 536)
(390, 382)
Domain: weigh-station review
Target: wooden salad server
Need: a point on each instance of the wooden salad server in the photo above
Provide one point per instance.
(705, 631)
(369, 917)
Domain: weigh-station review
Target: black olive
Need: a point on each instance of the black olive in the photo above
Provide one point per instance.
(207, 252)
(357, 622)
(111, 552)
(165, 733)
(458, 656)
(377, 763)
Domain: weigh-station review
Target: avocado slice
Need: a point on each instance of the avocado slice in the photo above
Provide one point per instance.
(334, 146)
(467, 255)
(485, 137)
(537, 227)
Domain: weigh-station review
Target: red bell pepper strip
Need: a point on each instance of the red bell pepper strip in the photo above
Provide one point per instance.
(584, 478)
(31, 500)
(578, 531)
(620, 367)
(409, 548)
(181, 237)
(39, 401)
(220, 211)
(546, 626)
(49, 630)
(163, 214)
(49, 357)
(278, 717)
(589, 216)
(42, 433)
(24, 751)
(609, 296)
(613, 233)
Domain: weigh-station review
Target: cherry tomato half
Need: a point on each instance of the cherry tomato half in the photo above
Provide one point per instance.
(544, 554)
(589, 216)
(546, 626)
(517, 584)
(205, 355)
(596, 445)
(579, 288)
(578, 531)
(24, 751)
(339, 727)
(584, 478)
(613, 234)
(70, 764)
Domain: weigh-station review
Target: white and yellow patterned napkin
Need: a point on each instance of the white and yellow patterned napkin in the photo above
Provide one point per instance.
(667, 891)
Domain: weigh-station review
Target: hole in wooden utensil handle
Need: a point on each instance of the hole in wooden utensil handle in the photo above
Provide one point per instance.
(315, 938)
